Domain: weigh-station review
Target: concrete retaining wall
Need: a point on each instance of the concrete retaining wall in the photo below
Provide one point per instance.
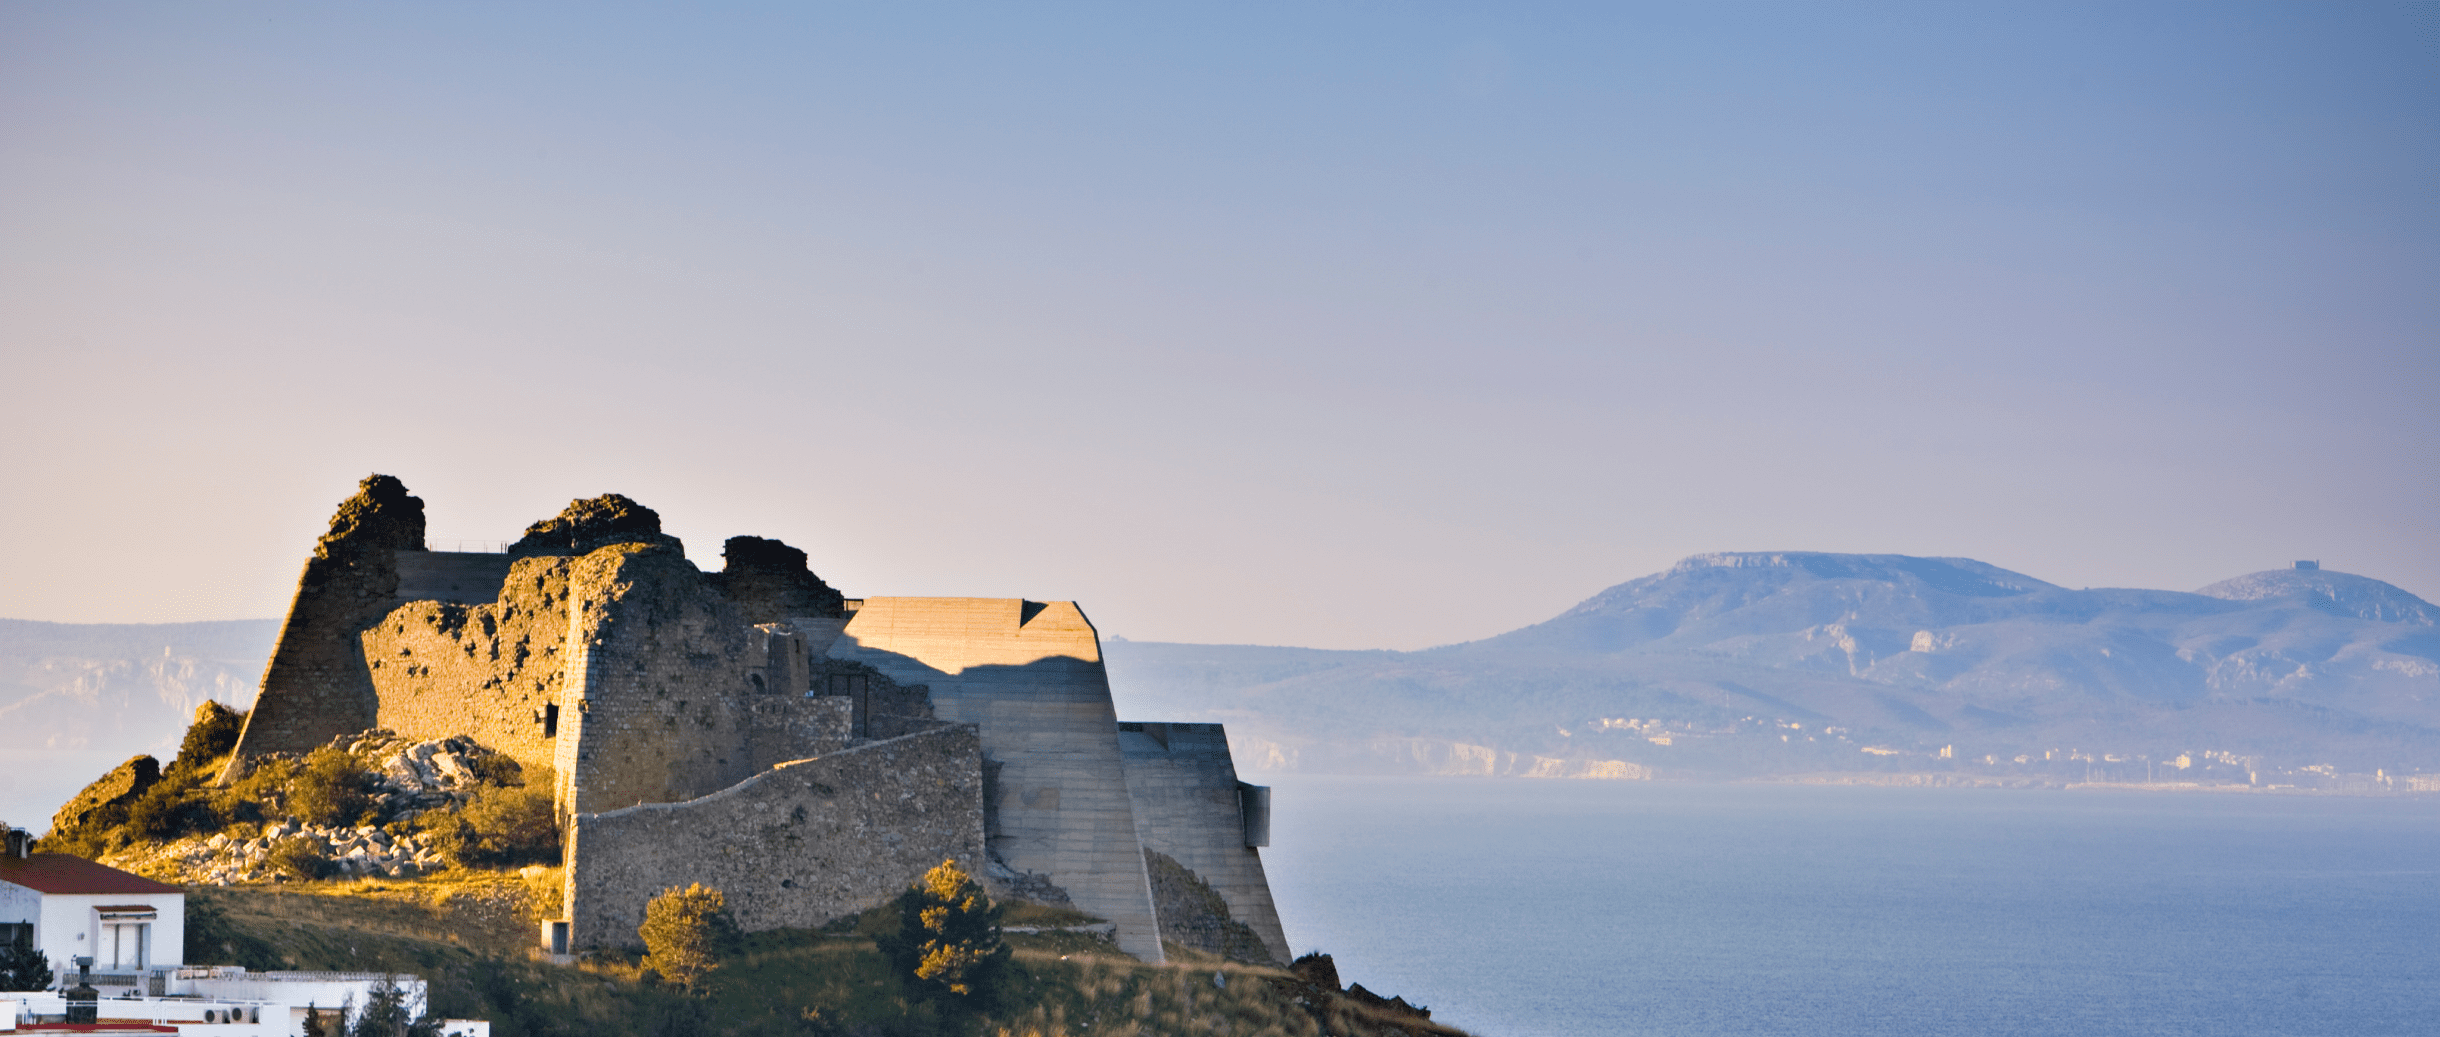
(1187, 805)
(1030, 674)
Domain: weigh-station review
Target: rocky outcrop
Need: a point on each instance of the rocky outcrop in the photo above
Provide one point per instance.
(1313, 985)
(380, 518)
(584, 525)
(411, 777)
(117, 789)
(768, 581)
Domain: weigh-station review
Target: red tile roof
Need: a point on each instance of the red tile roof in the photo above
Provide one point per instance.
(62, 873)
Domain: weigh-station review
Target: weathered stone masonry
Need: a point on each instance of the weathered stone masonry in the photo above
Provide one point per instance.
(793, 846)
(752, 729)
(316, 686)
(493, 672)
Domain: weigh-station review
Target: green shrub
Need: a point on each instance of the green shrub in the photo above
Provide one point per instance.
(298, 857)
(177, 805)
(501, 769)
(210, 738)
(499, 827)
(948, 938)
(244, 800)
(331, 789)
(685, 931)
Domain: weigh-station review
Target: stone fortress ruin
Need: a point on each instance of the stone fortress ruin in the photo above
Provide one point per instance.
(755, 730)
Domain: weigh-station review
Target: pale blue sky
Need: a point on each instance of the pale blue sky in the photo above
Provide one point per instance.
(1359, 325)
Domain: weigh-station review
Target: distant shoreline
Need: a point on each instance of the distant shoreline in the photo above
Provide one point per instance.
(1917, 779)
(1935, 780)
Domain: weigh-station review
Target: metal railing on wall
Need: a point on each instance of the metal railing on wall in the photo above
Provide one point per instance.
(468, 546)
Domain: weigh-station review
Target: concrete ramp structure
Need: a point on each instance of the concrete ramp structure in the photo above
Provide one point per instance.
(1030, 674)
(1190, 805)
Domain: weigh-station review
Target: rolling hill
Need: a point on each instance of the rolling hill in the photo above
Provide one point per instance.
(1752, 664)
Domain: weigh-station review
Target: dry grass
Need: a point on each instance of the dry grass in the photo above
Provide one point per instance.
(470, 935)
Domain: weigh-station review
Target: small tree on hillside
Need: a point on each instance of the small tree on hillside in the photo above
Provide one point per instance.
(948, 934)
(685, 931)
(385, 1014)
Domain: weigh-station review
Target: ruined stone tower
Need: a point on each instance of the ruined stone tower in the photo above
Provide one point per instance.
(752, 728)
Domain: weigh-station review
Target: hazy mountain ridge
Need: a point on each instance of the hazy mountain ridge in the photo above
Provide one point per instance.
(123, 687)
(1703, 669)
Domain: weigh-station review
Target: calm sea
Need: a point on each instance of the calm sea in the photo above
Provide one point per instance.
(1520, 908)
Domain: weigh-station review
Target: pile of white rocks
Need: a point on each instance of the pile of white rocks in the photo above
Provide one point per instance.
(360, 852)
(413, 777)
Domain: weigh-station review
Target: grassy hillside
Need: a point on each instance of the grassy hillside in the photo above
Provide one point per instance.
(469, 936)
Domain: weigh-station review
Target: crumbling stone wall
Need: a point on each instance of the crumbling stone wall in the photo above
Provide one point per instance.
(586, 525)
(493, 672)
(317, 686)
(784, 728)
(792, 847)
(658, 672)
(768, 581)
(680, 709)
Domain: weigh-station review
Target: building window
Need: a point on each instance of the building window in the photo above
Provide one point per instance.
(550, 721)
(123, 946)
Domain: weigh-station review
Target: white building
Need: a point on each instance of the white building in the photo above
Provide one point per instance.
(69, 908)
(134, 929)
(227, 1001)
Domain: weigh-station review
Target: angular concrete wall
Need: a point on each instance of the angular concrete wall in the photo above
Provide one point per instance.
(1187, 805)
(794, 846)
(1030, 674)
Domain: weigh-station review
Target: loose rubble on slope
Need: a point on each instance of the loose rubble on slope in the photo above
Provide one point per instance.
(409, 779)
(414, 777)
(359, 852)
